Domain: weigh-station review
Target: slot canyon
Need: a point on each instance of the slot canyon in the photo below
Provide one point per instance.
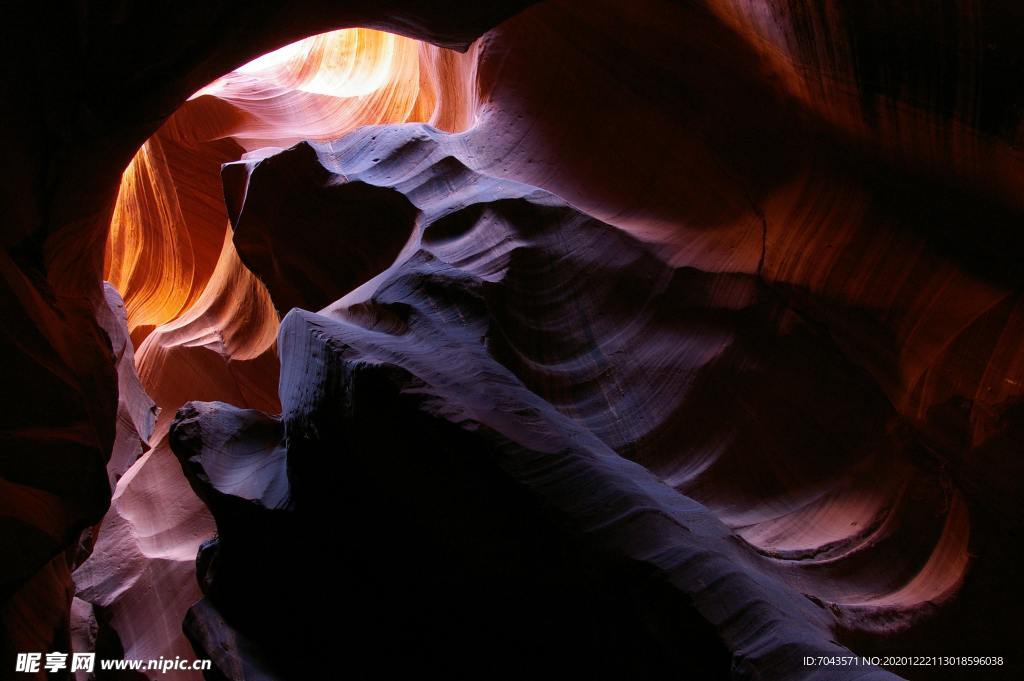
(513, 339)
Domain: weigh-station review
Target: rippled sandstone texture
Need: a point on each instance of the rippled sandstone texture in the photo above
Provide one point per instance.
(833, 192)
(521, 343)
(102, 80)
(206, 326)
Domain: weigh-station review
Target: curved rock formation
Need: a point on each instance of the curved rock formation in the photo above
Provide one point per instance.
(140, 578)
(206, 326)
(332, 238)
(512, 314)
(85, 107)
(863, 229)
(792, 326)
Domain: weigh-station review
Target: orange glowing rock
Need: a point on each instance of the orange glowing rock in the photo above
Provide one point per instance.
(205, 327)
(802, 309)
(167, 227)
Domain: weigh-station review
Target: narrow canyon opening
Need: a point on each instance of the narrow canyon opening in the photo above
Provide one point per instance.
(200, 325)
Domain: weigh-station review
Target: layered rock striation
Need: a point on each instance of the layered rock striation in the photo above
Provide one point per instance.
(751, 387)
(524, 376)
